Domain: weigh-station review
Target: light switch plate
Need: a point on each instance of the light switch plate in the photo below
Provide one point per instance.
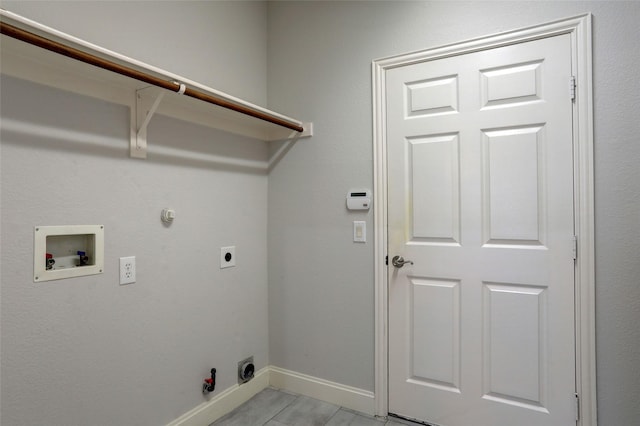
(359, 231)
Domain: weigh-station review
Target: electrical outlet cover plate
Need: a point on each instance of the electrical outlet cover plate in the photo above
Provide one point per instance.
(227, 257)
(127, 270)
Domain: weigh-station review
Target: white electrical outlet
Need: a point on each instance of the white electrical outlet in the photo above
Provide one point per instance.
(127, 270)
(227, 257)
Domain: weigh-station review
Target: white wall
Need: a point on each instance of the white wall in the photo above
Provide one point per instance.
(86, 351)
(320, 283)
(221, 44)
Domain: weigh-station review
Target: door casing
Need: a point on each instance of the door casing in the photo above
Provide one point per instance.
(579, 28)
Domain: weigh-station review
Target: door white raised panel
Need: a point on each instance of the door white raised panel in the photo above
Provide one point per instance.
(433, 169)
(515, 332)
(435, 333)
(512, 174)
(480, 198)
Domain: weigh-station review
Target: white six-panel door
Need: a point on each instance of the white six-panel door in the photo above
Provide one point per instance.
(480, 198)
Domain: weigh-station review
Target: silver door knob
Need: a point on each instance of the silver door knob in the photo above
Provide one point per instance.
(399, 262)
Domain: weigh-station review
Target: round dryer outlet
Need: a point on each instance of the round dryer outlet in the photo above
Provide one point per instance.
(246, 369)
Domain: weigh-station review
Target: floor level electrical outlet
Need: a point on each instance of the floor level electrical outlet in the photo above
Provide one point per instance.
(127, 270)
(227, 257)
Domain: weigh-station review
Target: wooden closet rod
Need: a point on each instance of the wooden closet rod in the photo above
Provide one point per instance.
(70, 52)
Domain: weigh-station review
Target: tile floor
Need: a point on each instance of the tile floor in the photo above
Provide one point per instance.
(273, 407)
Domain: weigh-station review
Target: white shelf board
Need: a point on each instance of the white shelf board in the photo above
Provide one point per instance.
(28, 62)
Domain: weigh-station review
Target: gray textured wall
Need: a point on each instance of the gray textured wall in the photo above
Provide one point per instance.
(86, 351)
(320, 283)
(221, 44)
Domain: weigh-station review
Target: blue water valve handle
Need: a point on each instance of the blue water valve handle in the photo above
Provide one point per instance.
(84, 259)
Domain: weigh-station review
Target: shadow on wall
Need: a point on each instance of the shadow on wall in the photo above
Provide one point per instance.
(61, 121)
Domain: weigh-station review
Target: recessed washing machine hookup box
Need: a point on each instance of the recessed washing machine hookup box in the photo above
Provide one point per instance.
(67, 251)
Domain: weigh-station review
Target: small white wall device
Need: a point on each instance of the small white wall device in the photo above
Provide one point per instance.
(359, 199)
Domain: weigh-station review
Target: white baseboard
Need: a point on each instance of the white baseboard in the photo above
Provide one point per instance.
(231, 398)
(324, 390)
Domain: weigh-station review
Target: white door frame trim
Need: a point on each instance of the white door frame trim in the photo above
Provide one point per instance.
(579, 27)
